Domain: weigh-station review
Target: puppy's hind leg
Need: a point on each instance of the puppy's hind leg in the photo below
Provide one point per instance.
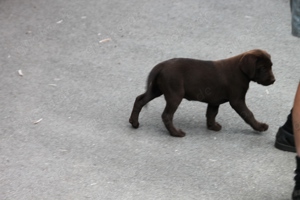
(141, 101)
(211, 113)
(173, 102)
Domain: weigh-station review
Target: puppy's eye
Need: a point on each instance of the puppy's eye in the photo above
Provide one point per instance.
(262, 69)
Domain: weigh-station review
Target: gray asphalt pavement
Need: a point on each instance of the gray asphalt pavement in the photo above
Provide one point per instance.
(69, 74)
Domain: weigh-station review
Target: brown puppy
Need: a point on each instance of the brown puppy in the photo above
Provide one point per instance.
(212, 82)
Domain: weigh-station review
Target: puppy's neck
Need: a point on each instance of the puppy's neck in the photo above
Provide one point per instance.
(231, 66)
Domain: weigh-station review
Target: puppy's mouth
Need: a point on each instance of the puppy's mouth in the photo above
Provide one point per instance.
(267, 82)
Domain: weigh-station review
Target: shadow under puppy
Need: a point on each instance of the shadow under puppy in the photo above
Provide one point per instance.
(212, 82)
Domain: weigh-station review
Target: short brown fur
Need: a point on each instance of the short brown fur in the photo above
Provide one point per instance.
(212, 82)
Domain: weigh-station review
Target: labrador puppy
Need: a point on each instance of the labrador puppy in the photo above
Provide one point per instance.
(212, 82)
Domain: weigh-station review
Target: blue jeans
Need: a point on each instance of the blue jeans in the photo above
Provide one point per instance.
(295, 8)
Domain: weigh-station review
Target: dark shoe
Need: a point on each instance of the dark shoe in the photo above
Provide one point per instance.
(285, 140)
(296, 195)
(296, 192)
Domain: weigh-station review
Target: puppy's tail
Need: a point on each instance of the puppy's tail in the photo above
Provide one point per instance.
(151, 85)
(151, 81)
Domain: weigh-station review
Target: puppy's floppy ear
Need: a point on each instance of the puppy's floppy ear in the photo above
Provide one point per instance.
(247, 64)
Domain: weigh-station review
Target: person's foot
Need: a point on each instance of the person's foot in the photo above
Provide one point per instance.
(296, 195)
(296, 191)
(285, 141)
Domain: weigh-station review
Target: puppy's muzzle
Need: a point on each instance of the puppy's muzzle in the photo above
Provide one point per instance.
(270, 81)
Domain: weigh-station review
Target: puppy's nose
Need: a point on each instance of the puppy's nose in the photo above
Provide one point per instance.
(272, 80)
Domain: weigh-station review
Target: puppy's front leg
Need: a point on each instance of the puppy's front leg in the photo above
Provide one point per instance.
(240, 107)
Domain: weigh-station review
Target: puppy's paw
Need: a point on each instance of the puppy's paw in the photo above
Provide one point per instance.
(262, 127)
(135, 124)
(215, 127)
(178, 133)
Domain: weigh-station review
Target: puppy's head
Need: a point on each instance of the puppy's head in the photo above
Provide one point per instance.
(257, 66)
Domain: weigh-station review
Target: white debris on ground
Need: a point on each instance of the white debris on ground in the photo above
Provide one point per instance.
(38, 121)
(20, 72)
(105, 40)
